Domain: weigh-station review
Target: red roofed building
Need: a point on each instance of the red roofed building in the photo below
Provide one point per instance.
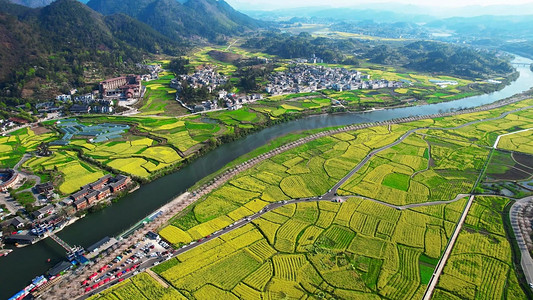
(19, 120)
(121, 87)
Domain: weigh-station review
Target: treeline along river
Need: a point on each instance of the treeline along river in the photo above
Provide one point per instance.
(19, 267)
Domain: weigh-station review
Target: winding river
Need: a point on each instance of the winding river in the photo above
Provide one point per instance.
(19, 267)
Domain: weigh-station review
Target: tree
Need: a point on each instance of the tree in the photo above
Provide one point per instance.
(180, 66)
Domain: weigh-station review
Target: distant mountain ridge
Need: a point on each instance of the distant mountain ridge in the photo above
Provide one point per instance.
(33, 3)
(205, 19)
(210, 19)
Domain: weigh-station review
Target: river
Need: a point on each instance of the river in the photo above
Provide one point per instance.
(19, 267)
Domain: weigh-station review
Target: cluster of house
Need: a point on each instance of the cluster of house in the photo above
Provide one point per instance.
(82, 104)
(230, 101)
(303, 78)
(44, 219)
(206, 77)
(98, 190)
(153, 71)
(312, 60)
(87, 103)
(47, 218)
(233, 101)
(101, 100)
(6, 124)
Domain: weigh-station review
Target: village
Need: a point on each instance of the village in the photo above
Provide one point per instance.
(304, 78)
(113, 95)
(55, 213)
(207, 77)
(116, 95)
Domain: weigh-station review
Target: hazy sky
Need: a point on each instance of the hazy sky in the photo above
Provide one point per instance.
(274, 4)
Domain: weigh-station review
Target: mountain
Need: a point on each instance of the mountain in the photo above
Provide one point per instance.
(493, 27)
(67, 44)
(207, 19)
(33, 3)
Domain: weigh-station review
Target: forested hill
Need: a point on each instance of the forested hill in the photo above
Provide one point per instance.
(423, 56)
(51, 49)
(66, 44)
(441, 58)
(209, 19)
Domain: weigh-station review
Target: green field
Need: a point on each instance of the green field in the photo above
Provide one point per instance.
(159, 98)
(402, 175)
(357, 249)
(480, 265)
(306, 171)
(360, 248)
(142, 286)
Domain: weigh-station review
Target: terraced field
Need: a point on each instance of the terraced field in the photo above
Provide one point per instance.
(364, 249)
(307, 171)
(72, 172)
(13, 147)
(155, 145)
(480, 265)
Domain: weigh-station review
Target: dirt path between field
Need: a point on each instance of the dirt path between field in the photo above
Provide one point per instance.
(157, 278)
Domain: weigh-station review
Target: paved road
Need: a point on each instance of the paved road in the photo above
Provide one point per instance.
(526, 261)
(447, 252)
(510, 133)
(28, 176)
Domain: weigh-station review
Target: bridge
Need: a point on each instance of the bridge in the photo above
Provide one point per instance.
(73, 253)
(521, 64)
(61, 243)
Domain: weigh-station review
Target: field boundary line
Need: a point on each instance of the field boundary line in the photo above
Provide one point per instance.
(506, 134)
(442, 262)
(157, 278)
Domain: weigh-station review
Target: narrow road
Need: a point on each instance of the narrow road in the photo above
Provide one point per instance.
(442, 262)
(233, 43)
(510, 133)
(526, 260)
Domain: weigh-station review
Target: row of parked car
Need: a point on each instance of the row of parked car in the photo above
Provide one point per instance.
(98, 281)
